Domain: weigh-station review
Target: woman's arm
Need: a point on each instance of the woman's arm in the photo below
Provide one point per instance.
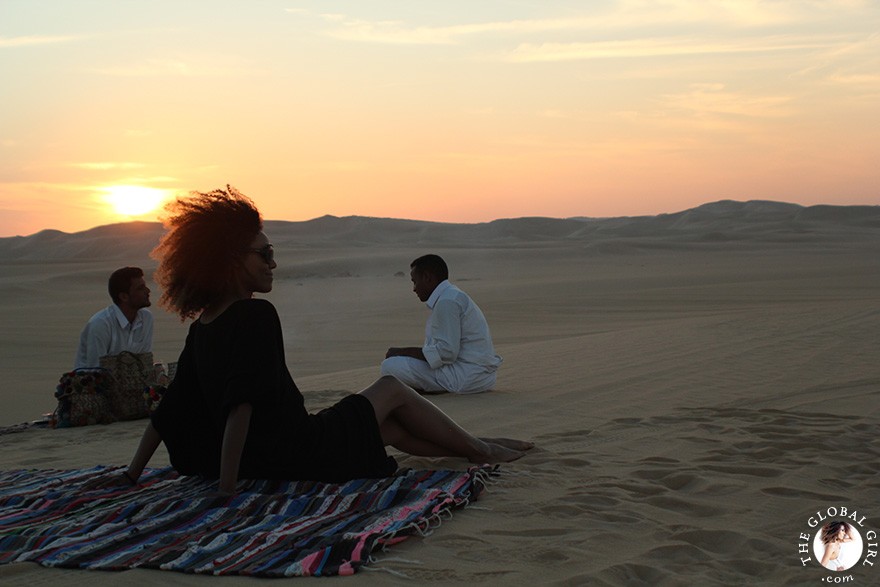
(149, 443)
(234, 435)
(827, 556)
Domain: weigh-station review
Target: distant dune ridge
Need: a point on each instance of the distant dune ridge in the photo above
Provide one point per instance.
(698, 384)
(723, 221)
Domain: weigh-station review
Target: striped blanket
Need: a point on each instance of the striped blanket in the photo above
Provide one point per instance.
(269, 529)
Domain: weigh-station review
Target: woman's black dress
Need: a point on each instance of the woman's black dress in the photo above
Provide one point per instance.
(239, 358)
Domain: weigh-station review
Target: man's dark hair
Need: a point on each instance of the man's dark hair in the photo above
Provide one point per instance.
(432, 264)
(120, 281)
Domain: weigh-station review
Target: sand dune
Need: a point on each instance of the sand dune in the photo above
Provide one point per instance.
(699, 384)
(725, 220)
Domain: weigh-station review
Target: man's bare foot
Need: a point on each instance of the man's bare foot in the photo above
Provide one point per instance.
(511, 443)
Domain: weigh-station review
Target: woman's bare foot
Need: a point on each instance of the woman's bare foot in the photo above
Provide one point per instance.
(496, 453)
(511, 443)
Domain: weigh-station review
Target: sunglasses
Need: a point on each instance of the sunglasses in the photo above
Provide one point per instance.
(267, 253)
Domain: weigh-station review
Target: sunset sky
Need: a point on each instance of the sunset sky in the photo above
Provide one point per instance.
(460, 111)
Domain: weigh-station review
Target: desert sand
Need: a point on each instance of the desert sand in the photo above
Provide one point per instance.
(698, 384)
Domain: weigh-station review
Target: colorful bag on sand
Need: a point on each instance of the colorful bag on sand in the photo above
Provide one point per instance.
(153, 395)
(82, 396)
(133, 375)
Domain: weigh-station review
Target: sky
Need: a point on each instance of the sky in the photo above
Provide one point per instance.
(452, 110)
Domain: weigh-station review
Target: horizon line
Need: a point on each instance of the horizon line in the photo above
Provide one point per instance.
(535, 217)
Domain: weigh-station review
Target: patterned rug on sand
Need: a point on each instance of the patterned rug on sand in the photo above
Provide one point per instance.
(269, 529)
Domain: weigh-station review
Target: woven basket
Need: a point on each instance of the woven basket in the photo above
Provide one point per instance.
(133, 375)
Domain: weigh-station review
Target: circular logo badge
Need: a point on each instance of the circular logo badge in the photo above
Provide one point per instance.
(837, 545)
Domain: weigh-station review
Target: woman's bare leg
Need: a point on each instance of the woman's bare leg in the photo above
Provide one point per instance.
(395, 435)
(413, 424)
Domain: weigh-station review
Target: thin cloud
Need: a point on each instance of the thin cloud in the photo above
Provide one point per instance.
(623, 15)
(107, 165)
(854, 60)
(736, 13)
(18, 186)
(705, 100)
(654, 47)
(396, 32)
(399, 32)
(143, 180)
(30, 41)
(182, 67)
(857, 79)
(148, 68)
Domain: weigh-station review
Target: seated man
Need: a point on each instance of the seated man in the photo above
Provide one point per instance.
(125, 325)
(458, 355)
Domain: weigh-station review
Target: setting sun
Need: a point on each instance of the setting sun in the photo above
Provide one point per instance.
(133, 200)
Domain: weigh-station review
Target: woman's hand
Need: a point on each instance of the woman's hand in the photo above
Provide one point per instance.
(109, 480)
(225, 491)
(221, 491)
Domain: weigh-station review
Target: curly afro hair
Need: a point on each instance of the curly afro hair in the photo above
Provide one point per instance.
(207, 235)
